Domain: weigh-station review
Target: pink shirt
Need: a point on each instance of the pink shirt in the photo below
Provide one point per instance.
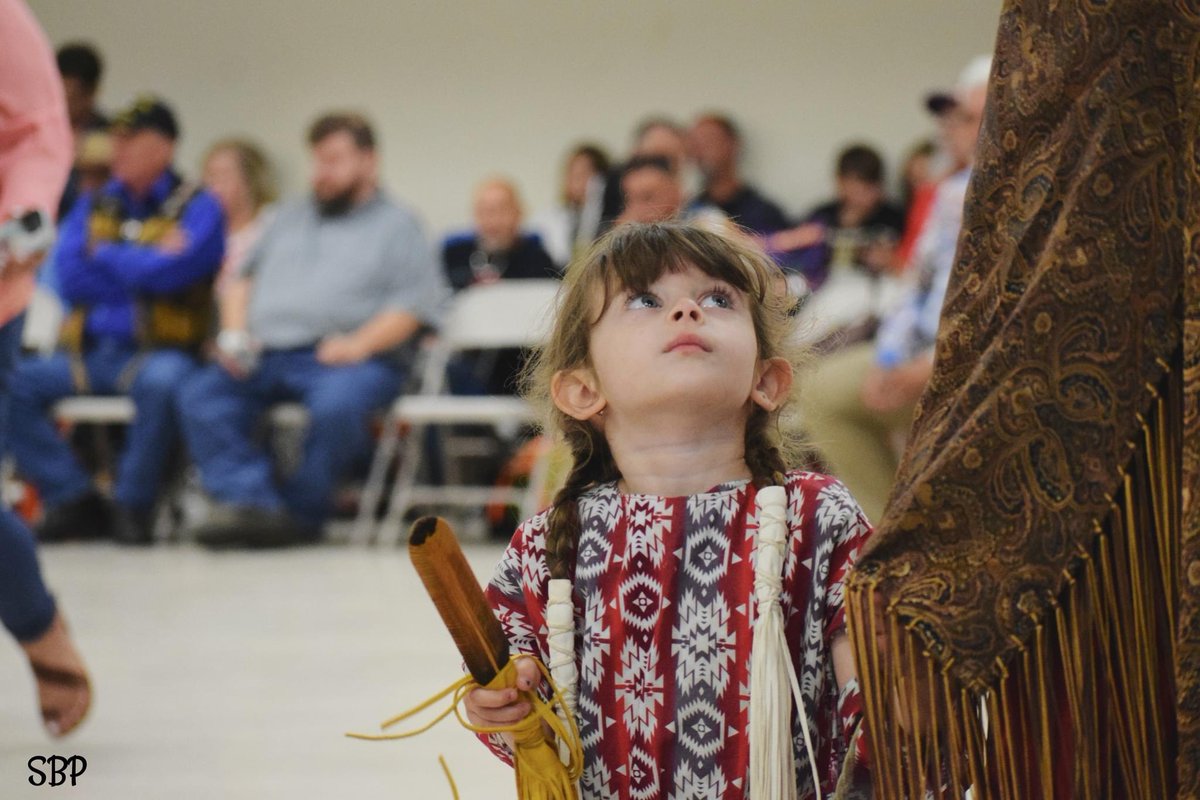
(35, 135)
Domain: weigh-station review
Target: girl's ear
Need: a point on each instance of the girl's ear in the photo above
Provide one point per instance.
(577, 394)
(774, 383)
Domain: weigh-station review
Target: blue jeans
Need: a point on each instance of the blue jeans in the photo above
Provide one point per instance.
(151, 378)
(26, 607)
(220, 414)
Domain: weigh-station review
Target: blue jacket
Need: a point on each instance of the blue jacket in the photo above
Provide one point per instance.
(108, 278)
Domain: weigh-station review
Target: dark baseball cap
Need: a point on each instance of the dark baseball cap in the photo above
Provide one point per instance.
(147, 112)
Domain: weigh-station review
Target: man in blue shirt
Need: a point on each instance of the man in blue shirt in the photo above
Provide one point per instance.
(136, 262)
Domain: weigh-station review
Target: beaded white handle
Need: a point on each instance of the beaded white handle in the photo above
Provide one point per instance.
(772, 755)
(560, 621)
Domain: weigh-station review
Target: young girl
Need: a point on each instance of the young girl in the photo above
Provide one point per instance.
(665, 374)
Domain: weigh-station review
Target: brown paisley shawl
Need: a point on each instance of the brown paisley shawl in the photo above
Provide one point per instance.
(1027, 617)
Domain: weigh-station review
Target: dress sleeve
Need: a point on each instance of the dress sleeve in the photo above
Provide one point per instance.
(510, 599)
(847, 529)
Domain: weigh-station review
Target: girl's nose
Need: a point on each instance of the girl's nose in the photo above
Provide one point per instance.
(686, 308)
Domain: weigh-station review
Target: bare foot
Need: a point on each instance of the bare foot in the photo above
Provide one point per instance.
(62, 682)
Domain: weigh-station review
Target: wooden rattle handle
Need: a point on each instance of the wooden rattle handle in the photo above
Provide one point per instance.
(458, 597)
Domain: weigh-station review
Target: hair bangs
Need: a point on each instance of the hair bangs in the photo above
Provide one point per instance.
(637, 256)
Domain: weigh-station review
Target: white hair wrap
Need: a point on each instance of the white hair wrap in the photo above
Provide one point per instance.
(772, 756)
(560, 621)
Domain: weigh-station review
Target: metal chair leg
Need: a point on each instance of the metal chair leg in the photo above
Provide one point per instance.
(390, 531)
(385, 453)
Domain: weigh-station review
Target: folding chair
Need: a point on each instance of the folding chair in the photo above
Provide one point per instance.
(500, 315)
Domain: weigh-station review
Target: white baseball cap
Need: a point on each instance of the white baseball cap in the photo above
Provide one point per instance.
(973, 75)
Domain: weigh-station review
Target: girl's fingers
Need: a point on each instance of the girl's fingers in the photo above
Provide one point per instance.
(491, 698)
(528, 674)
(497, 717)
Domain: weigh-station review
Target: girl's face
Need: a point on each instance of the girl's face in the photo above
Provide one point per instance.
(687, 341)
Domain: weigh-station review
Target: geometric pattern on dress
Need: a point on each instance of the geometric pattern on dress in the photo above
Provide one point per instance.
(702, 644)
(641, 601)
(589, 718)
(595, 643)
(649, 518)
(597, 781)
(706, 555)
(639, 690)
(663, 591)
(592, 553)
(701, 729)
(644, 775)
(690, 786)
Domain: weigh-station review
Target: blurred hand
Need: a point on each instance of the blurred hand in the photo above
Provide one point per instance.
(174, 242)
(801, 236)
(888, 390)
(878, 256)
(14, 267)
(341, 349)
(236, 353)
(236, 369)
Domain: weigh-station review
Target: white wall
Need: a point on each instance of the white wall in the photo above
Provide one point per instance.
(460, 90)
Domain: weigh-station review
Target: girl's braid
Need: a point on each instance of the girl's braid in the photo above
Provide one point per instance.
(763, 457)
(591, 464)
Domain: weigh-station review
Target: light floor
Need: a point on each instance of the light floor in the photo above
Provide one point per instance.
(234, 675)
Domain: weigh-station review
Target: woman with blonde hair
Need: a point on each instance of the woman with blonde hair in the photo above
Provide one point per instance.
(238, 173)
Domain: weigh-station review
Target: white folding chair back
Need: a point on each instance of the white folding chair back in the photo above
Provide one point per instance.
(505, 314)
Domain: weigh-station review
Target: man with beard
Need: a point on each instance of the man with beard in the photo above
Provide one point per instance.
(324, 312)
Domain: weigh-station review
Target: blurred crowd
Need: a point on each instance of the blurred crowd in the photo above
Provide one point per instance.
(208, 299)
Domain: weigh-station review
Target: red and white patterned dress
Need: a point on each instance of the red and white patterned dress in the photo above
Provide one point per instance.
(664, 614)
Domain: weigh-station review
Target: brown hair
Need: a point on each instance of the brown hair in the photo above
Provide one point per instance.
(722, 121)
(343, 122)
(255, 168)
(630, 258)
(595, 156)
(860, 161)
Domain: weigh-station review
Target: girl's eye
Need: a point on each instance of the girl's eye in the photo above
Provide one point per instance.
(643, 300)
(717, 298)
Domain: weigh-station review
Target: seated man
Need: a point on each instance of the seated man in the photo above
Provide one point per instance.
(135, 263)
(716, 146)
(496, 248)
(321, 313)
(651, 190)
(863, 397)
(655, 137)
(653, 194)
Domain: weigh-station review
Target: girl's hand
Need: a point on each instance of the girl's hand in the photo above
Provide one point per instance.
(494, 708)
